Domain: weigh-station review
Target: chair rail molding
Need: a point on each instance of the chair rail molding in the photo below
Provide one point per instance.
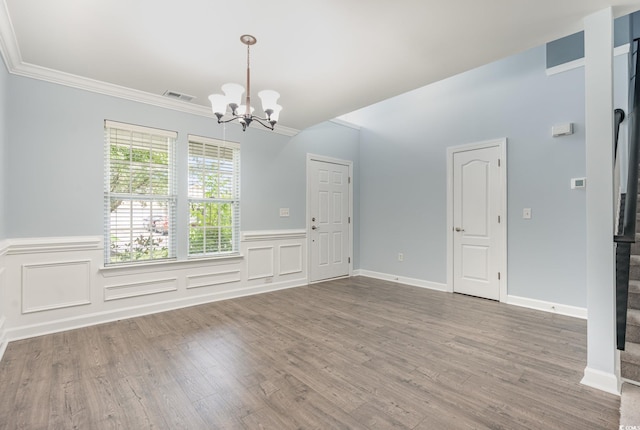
(53, 244)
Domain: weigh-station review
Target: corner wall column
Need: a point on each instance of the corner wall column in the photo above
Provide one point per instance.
(602, 359)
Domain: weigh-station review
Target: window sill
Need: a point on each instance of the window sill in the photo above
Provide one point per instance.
(156, 266)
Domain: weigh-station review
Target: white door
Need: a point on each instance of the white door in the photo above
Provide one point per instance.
(328, 220)
(476, 222)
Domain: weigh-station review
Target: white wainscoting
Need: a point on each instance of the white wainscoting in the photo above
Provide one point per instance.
(136, 289)
(260, 262)
(290, 258)
(56, 284)
(216, 279)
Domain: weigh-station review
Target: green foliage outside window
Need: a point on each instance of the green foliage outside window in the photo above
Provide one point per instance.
(212, 201)
(211, 228)
(144, 248)
(139, 195)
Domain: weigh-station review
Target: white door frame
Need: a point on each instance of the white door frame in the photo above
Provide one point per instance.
(349, 164)
(502, 145)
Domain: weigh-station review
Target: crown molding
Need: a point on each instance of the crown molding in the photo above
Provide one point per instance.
(345, 123)
(8, 46)
(105, 88)
(10, 52)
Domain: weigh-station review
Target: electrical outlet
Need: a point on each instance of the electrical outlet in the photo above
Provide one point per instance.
(284, 212)
(400, 256)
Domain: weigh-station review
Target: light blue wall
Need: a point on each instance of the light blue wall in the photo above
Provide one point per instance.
(3, 143)
(403, 174)
(274, 176)
(56, 160)
(56, 154)
(274, 173)
(54, 142)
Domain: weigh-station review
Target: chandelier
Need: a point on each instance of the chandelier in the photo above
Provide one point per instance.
(232, 99)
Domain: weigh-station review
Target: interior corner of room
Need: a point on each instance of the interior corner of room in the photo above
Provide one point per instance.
(489, 182)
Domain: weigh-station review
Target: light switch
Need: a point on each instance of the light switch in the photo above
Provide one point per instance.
(526, 213)
(284, 212)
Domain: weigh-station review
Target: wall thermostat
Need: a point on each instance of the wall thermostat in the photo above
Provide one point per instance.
(578, 183)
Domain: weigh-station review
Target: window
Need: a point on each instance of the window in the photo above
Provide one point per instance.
(214, 196)
(139, 193)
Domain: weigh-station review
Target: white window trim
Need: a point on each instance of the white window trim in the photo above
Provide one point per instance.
(171, 196)
(235, 200)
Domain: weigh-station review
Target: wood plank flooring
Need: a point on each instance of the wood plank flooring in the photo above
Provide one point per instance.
(355, 353)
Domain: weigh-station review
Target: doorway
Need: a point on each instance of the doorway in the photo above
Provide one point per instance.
(329, 217)
(476, 220)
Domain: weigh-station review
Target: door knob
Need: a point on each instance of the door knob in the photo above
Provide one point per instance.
(313, 227)
(459, 229)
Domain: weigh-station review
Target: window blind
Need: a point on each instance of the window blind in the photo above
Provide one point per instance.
(139, 193)
(214, 196)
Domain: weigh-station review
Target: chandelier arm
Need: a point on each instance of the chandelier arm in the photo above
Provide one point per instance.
(265, 122)
(221, 121)
(260, 121)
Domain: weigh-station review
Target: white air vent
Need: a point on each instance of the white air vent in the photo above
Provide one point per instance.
(178, 96)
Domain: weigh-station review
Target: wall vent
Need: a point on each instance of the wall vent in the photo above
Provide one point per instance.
(178, 96)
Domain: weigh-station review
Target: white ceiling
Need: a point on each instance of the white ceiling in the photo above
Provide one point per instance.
(326, 58)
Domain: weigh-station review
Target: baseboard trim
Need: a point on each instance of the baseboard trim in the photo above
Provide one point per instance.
(601, 380)
(541, 305)
(630, 381)
(401, 279)
(3, 338)
(24, 332)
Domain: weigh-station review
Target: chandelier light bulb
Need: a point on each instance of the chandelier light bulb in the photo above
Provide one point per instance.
(233, 93)
(269, 99)
(275, 114)
(218, 104)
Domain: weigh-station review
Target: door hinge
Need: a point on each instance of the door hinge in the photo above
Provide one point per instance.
(498, 219)
(349, 220)
(498, 162)
(349, 260)
(498, 276)
(349, 179)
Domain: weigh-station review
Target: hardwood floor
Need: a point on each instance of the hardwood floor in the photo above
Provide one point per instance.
(355, 354)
